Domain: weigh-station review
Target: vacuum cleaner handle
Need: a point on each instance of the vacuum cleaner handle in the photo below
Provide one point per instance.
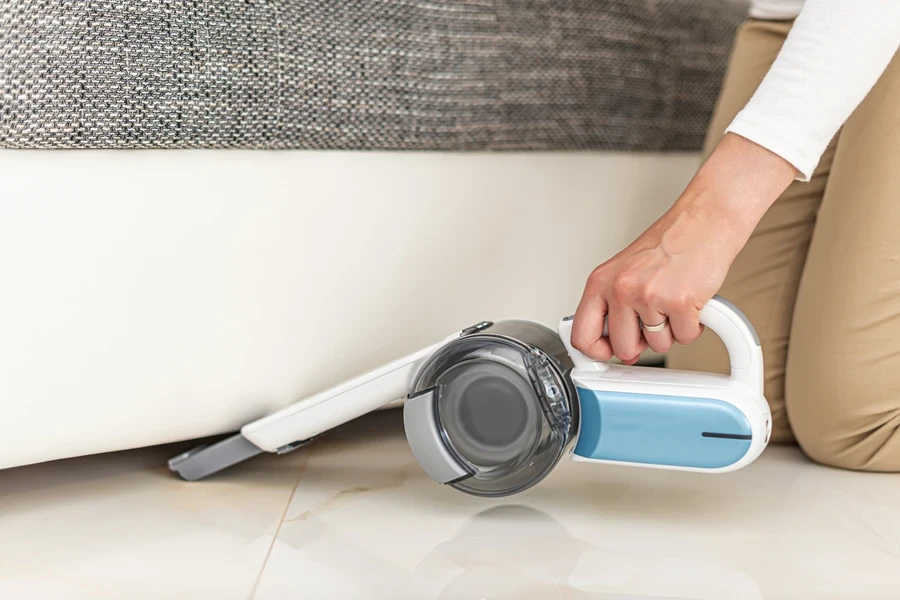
(721, 316)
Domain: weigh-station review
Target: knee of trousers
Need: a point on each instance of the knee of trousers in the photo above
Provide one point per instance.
(844, 415)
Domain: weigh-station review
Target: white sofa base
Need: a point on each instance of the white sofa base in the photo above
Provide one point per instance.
(155, 296)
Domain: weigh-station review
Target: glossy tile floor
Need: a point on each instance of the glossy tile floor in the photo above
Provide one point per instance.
(352, 516)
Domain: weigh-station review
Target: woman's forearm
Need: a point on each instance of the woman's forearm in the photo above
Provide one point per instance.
(734, 188)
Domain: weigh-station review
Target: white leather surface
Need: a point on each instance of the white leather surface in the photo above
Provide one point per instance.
(154, 296)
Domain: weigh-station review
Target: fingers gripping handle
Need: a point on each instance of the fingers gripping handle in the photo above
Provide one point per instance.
(580, 360)
(721, 316)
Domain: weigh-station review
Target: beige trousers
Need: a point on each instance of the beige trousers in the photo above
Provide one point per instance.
(820, 278)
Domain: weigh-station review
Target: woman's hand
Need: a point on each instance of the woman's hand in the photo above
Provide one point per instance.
(672, 270)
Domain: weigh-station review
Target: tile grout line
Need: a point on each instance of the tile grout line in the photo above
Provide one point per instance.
(287, 507)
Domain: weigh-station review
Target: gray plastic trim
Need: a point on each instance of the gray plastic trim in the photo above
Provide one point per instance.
(426, 442)
(743, 317)
(205, 460)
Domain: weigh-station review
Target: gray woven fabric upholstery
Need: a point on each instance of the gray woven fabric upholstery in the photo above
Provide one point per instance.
(385, 74)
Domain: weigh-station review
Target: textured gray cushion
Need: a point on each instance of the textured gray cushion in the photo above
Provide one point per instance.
(395, 74)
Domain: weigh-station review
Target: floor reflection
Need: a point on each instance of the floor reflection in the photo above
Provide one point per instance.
(783, 528)
(520, 552)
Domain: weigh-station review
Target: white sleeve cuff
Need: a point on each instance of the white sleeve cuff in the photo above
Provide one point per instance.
(760, 131)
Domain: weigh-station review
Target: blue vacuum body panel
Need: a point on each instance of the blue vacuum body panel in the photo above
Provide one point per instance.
(673, 431)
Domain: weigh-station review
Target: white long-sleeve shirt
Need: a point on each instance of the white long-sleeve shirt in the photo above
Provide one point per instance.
(834, 54)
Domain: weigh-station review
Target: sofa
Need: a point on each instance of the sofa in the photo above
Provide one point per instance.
(210, 210)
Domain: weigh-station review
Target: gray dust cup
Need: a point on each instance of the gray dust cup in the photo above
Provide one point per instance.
(492, 413)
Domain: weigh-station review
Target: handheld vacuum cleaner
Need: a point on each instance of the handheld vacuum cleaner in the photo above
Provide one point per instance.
(493, 408)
